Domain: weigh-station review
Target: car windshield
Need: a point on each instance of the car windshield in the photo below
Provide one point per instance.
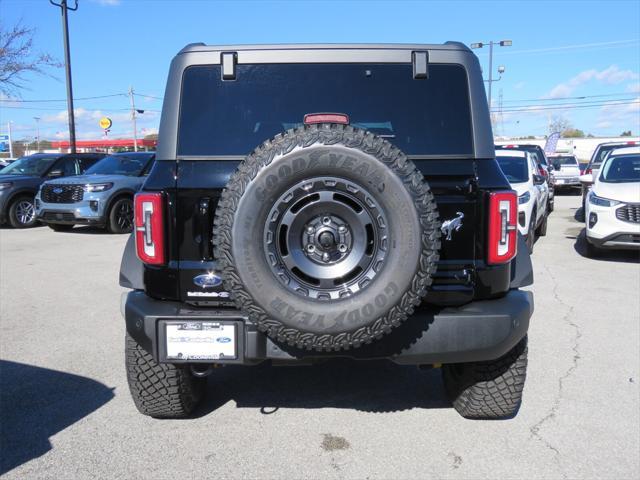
(121, 164)
(34, 165)
(621, 169)
(557, 162)
(514, 168)
(604, 152)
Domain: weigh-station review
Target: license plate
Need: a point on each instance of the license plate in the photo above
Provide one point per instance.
(560, 181)
(201, 341)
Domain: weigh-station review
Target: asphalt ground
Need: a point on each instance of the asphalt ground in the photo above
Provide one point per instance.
(65, 409)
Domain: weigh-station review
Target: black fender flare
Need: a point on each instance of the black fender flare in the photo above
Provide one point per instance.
(131, 268)
(521, 267)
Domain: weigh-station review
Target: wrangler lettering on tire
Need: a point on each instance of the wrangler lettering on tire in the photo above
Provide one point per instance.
(342, 241)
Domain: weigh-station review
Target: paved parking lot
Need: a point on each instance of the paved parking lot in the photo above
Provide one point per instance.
(66, 410)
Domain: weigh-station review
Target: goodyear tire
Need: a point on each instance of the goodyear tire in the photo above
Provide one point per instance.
(327, 236)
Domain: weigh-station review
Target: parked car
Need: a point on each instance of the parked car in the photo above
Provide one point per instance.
(566, 171)
(613, 205)
(6, 161)
(19, 182)
(599, 155)
(103, 196)
(533, 192)
(544, 168)
(267, 231)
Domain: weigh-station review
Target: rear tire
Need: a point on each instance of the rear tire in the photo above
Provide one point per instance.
(591, 250)
(541, 231)
(531, 234)
(121, 216)
(22, 212)
(60, 227)
(490, 389)
(161, 390)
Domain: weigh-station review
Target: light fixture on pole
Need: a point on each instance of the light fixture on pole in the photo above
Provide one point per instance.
(501, 43)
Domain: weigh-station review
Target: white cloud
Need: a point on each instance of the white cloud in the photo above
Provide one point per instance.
(624, 116)
(610, 76)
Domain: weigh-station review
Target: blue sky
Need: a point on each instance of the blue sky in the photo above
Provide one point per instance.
(560, 49)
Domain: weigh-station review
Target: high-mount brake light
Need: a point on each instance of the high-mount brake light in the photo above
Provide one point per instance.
(149, 227)
(312, 118)
(502, 242)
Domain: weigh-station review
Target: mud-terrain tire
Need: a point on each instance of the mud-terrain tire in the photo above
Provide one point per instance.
(256, 258)
(161, 390)
(488, 390)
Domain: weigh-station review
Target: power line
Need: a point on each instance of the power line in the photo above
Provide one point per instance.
(63, 99)
(569, 104)
(148, 96)
(534, 108)
(569, 98)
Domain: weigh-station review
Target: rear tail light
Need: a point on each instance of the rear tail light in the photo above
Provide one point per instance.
(149, 227)
(502, 241)
(587, 171)
(311, 118)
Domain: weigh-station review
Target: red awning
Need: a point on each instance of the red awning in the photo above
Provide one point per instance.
(105, 143)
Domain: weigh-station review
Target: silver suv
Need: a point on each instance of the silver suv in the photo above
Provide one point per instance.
(103, 196)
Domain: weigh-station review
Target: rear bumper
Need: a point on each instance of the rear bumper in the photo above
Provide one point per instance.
(477, 331)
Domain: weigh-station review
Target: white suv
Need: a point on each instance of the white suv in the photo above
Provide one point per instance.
(612, 210)
(533, 192)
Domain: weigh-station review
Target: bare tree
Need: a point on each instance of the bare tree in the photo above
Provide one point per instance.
(17, 58)
(559, 124)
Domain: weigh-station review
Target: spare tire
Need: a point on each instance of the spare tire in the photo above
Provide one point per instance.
(327, 237)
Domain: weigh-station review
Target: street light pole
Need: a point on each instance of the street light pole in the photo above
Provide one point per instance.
(37, 119)
(502, 43)
(67, 61)
(133, 118)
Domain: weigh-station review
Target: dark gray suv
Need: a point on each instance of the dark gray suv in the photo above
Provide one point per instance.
(19, 182)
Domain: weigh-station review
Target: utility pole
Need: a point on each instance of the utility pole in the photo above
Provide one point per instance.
(67, 61)
(133, 119)
(10, 140)
(37, 119)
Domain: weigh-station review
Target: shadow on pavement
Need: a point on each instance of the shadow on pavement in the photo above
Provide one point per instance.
(604, 255)
(371, 386)
(36, 403)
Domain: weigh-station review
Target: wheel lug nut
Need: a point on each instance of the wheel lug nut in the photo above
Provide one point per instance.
(342, 229)
(310, 248)
(326, 220)
(325, 257)
(310, 230)
(342, 247)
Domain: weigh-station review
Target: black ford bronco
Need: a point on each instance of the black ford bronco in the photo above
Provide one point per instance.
(320, 201)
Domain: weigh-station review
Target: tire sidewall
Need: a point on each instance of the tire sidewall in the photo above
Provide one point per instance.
(365, 306)
(13, 219)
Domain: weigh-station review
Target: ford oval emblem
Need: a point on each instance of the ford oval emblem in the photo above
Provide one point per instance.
(58, 190)
(207, 280)
(223, 339)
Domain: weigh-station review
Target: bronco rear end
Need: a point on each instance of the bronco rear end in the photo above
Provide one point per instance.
(318, 201)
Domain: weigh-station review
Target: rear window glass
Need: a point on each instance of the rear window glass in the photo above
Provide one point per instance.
(422, 117)
(514, 168)
(558, 161)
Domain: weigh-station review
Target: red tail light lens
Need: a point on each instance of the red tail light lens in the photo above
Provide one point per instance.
(149, 227)
(503, 212)
(587, 171)
(543, 171)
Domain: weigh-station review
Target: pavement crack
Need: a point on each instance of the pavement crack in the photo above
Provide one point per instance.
(575, 347)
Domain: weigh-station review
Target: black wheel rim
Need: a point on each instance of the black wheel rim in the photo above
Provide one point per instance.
(124, 216)
(326, 238)
(25, 212)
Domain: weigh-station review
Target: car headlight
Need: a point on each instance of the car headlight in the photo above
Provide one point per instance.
(602, 202)
(524, 198)
(97, 187)
(5, 185)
